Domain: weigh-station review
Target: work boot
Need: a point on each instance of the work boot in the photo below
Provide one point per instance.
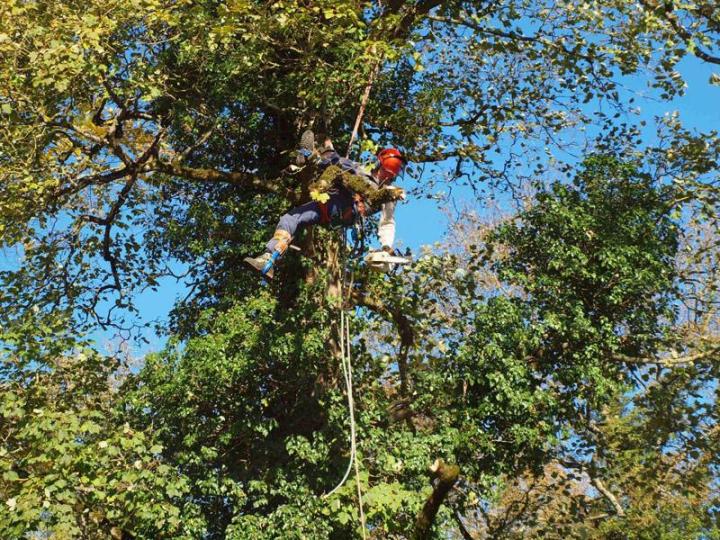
(259, 262)
(307, 147)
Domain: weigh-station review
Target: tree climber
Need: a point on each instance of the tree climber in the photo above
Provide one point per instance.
(342, 192)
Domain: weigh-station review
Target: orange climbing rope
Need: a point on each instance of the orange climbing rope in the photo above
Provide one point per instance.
(363, 104)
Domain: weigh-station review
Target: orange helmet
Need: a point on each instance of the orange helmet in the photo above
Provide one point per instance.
(391, 161)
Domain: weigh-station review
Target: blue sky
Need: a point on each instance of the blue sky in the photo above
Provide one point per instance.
(422, 221)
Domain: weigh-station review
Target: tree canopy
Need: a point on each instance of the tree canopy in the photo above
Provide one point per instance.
(558, 364)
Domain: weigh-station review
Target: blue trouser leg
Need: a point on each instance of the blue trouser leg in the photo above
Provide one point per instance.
(309, 214)
(306, 214)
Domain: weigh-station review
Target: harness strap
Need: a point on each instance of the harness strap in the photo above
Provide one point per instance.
(347, 216)
(324, 213)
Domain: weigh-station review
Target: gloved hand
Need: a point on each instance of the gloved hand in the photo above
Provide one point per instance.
(398, 193)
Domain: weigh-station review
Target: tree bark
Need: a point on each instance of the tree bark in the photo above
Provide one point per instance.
(213, 176)
(445, 477)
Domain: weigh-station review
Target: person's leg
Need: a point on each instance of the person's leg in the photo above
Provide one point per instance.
(306, 214)
(310, 213)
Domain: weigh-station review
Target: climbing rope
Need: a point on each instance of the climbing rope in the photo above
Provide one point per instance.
(345, 348)
(348, 385)
(353, 430)
(363, 103)
(346, 362)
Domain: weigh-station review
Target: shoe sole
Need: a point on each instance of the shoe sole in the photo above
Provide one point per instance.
(307, 140)
(307, 143)
(259, 266)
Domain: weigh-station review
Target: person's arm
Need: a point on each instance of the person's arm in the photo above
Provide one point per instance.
(386, 227)
(373, 196)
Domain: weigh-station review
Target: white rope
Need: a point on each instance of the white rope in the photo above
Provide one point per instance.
(346, 362)
(348, 386)
(353, 430)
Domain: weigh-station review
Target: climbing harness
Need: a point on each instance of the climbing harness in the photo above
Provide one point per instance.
(335, 220)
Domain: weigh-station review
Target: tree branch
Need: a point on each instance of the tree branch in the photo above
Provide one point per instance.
(81, 183)
(672, 360)
(514, 36)
(107, 239)
(409, 14)
(404, 329)
(213, 176)
(591, 472)
(661, 11)
(197, 144)
(463, 529)
(600, 486)
(445, 476)
(432, 158)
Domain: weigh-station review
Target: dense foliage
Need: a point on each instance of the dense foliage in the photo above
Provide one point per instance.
(560, 363)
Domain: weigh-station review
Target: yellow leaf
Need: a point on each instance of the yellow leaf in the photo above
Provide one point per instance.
(319, 197)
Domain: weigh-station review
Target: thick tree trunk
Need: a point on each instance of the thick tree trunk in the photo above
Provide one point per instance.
(334, 295)
(445, 477)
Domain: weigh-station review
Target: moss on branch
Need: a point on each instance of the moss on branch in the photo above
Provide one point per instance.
(335, 176)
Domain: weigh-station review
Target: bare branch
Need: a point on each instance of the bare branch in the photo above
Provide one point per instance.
(84, 181)
(404, 328)
(432, 158)
(202, 140)
(514, 36)
(590, 471)
(463, 529)
(600, 486)
(670, 361)
(410, 13)
(108, 222)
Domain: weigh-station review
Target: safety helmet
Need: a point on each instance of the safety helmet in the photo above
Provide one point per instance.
(391, 161)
